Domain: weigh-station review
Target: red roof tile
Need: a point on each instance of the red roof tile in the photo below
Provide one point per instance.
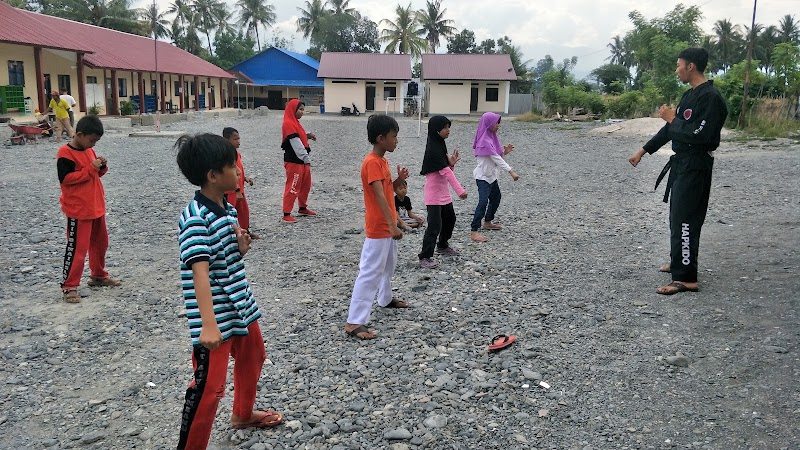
(467, 67)
(106, 48)
(365, 66)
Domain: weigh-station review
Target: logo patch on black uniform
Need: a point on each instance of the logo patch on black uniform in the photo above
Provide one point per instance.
(687, 114)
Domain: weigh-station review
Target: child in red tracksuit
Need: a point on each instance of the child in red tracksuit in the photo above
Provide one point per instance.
(220, 307)
(83, 202)
(296, 161)
(237, 197)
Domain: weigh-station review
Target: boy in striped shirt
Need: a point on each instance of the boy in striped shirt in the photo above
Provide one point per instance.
(222, 313)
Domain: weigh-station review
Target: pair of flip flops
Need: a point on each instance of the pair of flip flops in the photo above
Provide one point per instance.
(500, 342)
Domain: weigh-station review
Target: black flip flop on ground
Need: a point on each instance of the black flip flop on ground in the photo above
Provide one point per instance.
(680, 287)
(398, 303)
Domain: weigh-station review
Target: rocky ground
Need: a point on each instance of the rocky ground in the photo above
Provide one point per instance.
(572, 275)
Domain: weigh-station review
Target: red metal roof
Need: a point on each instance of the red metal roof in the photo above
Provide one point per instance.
(467, 67)
(365, 66)
(105, 48)
(24, 27)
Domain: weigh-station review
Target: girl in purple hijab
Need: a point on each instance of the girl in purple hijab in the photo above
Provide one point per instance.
(489, 158)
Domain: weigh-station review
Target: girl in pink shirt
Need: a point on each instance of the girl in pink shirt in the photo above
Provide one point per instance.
(437, 166)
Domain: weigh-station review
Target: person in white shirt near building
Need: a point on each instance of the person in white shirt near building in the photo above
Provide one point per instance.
(71, 101)
(488, 158)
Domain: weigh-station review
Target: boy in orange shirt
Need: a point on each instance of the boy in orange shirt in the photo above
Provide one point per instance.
(83, 202)
(379, 254)
(237, 197)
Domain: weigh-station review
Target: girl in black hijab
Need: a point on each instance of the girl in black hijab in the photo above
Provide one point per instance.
(437, 166)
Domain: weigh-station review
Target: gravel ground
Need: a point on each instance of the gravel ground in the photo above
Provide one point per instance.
(572, 275)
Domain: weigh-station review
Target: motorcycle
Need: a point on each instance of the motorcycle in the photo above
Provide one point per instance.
(350, 111)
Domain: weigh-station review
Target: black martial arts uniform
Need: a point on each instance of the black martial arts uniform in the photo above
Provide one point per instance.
(695, 135)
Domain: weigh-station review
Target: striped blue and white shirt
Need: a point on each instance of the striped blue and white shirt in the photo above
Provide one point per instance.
(207, 234)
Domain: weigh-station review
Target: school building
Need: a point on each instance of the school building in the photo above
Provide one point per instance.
(466, 83)
(364, 79)
(275, 76)
(101, 67)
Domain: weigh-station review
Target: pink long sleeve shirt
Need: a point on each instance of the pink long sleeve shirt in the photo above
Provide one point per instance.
(437, 185)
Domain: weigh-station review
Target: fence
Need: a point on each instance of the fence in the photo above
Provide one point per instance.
(522, 103)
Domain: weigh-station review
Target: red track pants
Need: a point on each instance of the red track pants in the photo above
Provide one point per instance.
(85, 236)
(242, 209)
(208, 386)
(298, 185)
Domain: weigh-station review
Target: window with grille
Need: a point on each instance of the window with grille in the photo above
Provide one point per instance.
(16, 73)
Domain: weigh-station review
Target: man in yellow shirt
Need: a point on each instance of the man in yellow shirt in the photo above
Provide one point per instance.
(61, 108)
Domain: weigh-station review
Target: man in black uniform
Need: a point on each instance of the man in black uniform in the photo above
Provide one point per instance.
(694, 128)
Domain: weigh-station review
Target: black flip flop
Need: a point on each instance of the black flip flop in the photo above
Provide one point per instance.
(680, 288)
(395, 303)
(361, 329)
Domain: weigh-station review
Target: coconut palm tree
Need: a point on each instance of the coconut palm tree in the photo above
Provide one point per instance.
(182, 10)
(403, 35)
(764, 45)
(309, 19)
(211, 15)
(789, 30)
(155, 22)
(115, 14)
(729, 43)
(617, 50)
(432, 21)
(253, 13)
(341, 7)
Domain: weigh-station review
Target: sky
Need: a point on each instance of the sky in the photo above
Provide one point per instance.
(561, 29)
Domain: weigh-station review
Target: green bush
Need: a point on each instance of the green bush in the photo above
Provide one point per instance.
(93, 110)
(127, 108)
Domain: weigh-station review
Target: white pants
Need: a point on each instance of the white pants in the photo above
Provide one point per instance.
(378, 260)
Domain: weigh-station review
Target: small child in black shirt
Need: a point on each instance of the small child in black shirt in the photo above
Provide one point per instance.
(406, 218)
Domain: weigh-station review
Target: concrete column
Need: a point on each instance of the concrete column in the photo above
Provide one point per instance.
(114, 93)
(37, 62)
(183, 86)
(196, 93)
(82, 85)
(141, 93)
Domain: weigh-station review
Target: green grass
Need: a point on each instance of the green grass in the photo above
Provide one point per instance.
(530, 117)
(768, 129)
(568, 127)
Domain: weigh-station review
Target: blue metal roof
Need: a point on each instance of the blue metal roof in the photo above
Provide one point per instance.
(279, 67)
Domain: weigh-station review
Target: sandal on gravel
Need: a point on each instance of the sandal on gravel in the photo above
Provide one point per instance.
(679, 287)
(105, 281)
(268, 420)
(501, 341)
(398, 303)
(71, 296)
(361, 329)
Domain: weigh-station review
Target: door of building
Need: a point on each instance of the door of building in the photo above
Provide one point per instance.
(370, 98)
(275, 99)
(473, 99)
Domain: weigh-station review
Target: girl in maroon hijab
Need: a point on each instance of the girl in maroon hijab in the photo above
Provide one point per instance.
(296, 161)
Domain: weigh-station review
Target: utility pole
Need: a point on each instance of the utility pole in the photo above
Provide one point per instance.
(742, 115)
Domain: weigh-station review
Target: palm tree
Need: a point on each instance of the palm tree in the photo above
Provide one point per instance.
(155, 22)
(253, 13)
(341, 7)
(432, 21)
(402, 35)
(309, 19)
(182, 11)
(764, 44)
(115, 14)
(789, 30)
(211, 15)
(617, 50)
(729, 43)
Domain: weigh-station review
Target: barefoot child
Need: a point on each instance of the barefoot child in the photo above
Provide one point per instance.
(437, 166)
(83, 201)
(237, 197)
(379, 254)
(406, 217)
(488, 157)
(220, 307)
